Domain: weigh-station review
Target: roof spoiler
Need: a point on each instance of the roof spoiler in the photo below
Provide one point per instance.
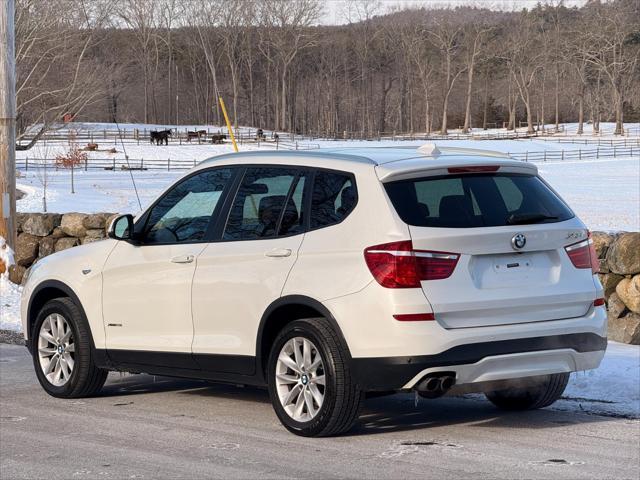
(431, 150)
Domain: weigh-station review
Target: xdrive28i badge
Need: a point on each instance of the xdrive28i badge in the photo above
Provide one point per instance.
(518, 241)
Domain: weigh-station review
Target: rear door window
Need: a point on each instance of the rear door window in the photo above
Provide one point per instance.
(479, 200)
(267, 203)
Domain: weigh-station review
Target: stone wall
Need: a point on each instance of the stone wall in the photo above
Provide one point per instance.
(619, 256)
(41, 234)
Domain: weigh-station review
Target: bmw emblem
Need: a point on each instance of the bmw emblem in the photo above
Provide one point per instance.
(518, 241)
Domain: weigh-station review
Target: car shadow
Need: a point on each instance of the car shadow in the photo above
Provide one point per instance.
(136, 384)
(392, 413)
(397, 413)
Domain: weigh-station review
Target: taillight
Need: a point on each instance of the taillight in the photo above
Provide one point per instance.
(398, 265)
(474, 169)
(583, 254)
(598, 302)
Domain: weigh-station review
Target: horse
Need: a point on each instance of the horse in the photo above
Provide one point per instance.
(158, 137)
(260, 134)
(218, 138)
(196, 134)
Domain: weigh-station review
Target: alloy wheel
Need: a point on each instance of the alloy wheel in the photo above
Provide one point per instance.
(56, 349)
(300, 379)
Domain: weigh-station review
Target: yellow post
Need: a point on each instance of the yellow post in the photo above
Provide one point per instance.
(226, 119)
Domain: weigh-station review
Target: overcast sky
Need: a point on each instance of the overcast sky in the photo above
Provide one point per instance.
(335, 9)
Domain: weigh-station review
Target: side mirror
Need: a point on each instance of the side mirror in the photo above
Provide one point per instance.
(121, 228)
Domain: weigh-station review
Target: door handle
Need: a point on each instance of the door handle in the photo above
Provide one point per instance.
(183, 259)
(278, 252)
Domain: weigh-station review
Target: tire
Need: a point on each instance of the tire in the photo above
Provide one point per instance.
(84, 379)
(538, 392)
(341, 396)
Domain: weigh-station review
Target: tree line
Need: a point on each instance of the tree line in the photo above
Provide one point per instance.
(409, 70)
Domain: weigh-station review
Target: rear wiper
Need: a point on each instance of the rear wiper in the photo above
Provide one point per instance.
(523, 218)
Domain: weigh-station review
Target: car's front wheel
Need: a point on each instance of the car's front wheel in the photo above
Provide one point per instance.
(310, 383)
(61, 348)
(530, 393)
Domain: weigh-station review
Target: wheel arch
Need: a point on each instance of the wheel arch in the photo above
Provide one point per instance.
(50, 290)
(282, 312)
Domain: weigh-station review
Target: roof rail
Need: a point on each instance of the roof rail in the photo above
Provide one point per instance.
(432, 150)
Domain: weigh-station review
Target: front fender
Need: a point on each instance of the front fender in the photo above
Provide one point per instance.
(77, 273)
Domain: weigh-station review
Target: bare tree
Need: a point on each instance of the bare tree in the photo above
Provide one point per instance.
(525, 59)
(475, 39)
(611, 30)
(55, 72)
(141, 17)
(234, 16)
(169, 17)
(447, 38)
(360, 14)
(286, 25)
(418, 52)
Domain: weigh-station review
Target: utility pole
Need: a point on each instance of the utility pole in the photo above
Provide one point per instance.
(7, 124)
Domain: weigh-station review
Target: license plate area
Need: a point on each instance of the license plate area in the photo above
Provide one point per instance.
(514, 270)
(512, 264)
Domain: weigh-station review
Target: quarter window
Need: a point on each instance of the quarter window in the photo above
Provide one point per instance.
(334, 197)
(184, 213)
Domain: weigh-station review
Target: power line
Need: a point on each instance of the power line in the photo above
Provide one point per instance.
(126, 157)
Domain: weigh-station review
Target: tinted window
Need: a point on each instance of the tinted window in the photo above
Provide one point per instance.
(258, 210)
(485, 200)
(184, 213)
(334, 196)
(293, 217)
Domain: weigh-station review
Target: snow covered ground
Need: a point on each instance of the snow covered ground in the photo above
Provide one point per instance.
(611, 389)
(9, 305)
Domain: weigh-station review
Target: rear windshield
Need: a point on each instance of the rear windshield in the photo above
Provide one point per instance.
(476, 200)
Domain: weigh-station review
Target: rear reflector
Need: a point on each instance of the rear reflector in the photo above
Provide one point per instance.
(474, 169)
(598, 302)
(398, 265)
(583, 254)
(415, 317)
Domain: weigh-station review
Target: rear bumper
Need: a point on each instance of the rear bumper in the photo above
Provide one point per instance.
(485, 361)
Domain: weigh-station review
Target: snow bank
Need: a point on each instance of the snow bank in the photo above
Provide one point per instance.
(9, 305)
(9, 292)
(612, 389)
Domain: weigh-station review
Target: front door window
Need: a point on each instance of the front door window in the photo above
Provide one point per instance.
(184, 213)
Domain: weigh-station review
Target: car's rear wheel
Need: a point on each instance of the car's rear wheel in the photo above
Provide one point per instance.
(310, 383)
(62, 356)
(530, 393)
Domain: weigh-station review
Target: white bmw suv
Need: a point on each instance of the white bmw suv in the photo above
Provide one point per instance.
(328, 275)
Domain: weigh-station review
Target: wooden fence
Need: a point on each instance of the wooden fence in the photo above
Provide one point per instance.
(619, 142)
(578, 154)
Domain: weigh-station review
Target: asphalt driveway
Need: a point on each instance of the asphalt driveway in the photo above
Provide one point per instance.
(156, 427)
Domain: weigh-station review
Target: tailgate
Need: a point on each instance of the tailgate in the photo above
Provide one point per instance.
(493, 285)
